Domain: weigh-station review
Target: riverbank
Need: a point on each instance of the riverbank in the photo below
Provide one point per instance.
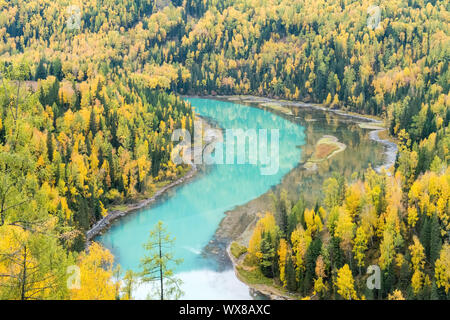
(376, 123)
(266, 290)
(126, 209)
(278, 105)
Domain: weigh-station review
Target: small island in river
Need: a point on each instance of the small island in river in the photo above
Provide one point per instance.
(325, 148)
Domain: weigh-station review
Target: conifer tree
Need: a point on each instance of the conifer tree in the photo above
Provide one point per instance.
(155, 264)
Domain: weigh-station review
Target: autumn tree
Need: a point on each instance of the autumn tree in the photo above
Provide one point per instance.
(96, 275)
(418, 262)
(129, 284)
(442, 270)
(32, 266)
(345, 283)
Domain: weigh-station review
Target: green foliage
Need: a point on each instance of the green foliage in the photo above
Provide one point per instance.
(237, 250)
(155, 264)
(435, 239)
(268, 253)
(253, 276)
(291, 281)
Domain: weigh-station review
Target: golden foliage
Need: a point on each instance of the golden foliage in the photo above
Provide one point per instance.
(96, 270)
(442, 271)
(346, 284)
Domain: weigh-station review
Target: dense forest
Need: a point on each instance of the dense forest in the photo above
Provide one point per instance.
(88, 107)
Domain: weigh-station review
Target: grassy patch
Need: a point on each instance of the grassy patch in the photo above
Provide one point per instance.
(277, 107)
(182, 171)
(323, 151)
(118, 207)
(254, 276)
(237, 250)
(384, 135)
(250, 260)
(161, 184)
(371, 125)
(326, 147)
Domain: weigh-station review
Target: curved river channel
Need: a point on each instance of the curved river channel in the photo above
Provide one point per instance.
(192, 212)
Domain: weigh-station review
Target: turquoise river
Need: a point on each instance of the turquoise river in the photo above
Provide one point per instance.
(193, 211)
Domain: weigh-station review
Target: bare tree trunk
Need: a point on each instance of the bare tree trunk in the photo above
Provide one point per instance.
(24, 274)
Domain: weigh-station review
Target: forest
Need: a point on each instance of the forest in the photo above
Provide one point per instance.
(88, 108)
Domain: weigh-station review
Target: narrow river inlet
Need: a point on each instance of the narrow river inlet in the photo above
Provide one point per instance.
(192, 212)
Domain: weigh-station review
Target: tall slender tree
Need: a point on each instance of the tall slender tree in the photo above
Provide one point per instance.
(156, 265)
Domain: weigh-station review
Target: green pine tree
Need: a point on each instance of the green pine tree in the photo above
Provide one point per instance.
(155, 264)
(268, 253)
(435, 239)
(291, 282)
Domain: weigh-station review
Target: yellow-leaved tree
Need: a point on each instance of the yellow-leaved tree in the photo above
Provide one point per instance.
(442, 270)
(345, 229)
(283, 254)
(345, 283)
(96, 271)
(265, 224)
(418, 261)
(360, 246)
(396, 295)
(300, 241)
